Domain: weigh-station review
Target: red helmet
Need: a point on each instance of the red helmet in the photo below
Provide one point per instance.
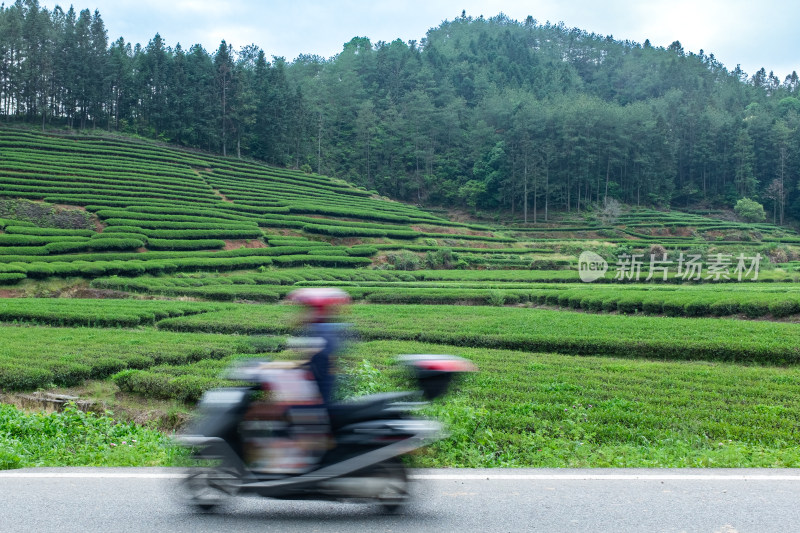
(320, 299)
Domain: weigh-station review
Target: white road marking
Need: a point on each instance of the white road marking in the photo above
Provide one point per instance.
(613, 477)
(89, 475)
(446, 477)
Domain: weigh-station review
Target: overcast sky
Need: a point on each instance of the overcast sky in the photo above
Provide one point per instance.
(753, 33)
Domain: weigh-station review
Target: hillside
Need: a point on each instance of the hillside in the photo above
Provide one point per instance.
(151, 209)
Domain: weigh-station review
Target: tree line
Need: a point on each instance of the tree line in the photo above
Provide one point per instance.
(481, 113)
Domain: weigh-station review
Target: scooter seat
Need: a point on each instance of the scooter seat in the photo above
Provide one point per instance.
(365, 408)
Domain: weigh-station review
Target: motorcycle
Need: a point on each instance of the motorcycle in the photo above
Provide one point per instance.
(370, 434)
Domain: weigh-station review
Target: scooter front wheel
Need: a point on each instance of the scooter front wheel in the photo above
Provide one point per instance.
(396, 492)
(206, 489)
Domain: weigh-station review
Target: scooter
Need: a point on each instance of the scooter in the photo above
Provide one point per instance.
(370, 435)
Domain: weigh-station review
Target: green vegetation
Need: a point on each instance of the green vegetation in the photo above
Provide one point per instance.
(75, 438)
(750, 210)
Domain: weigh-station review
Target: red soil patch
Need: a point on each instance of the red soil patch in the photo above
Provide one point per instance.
(350, 241)
(102, 294)
(236, 244)
(7, 293)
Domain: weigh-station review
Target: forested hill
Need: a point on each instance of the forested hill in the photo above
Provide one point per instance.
(484, 113)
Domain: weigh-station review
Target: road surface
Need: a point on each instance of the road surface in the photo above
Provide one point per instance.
(142, 499)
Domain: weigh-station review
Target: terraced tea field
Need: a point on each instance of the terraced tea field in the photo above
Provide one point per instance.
(170, 264)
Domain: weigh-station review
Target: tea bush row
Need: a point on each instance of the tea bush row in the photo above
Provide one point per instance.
(29, 230)
(161, 217)
(96, 353)
(185, 244)
(343, 231)
(101, 313)
(172, 225)
(4, 223)
(533, 330)
(92, 269)
(753, 304)
(33, 180)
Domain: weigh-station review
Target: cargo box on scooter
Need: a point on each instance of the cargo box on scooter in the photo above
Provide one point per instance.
(434, 373)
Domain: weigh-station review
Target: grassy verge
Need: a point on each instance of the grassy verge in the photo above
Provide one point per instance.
(75, 438)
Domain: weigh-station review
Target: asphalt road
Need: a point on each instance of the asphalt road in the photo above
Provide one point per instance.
(141, 500)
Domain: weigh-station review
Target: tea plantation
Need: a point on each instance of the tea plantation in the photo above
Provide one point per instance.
(133, 272)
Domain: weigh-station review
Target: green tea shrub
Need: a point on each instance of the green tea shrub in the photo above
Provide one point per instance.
(724, 307)
(39, 270)
(5, 222)
(574, 301)
(591, 303)
(241, 233)
(563, 300)
(67, 247)
(69, 374)
(318, 260)
(23, 250)
(97, 245)
(609, 305)
(755, 308)
(32, 240)
(784, 308)
(102, 245)
(123, 229)
(24, 378)
(120, 235)
(404, 260)
(497, 298)
(696, 308)
(552, 299)
(653, 306)
(28, 230)
(673, 307)
(629, 306)
(362, 251)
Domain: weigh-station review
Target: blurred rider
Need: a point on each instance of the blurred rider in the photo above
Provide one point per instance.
(319, 321)
(290, 433)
